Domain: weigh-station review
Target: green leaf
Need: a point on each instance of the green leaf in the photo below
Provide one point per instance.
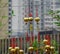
(58, 11)
(57, 23)
(51, 12)
(35, 44)
(55, 44)
(56, 52)
(13, 13)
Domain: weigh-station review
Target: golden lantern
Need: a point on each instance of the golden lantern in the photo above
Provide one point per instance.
(10, 48)
(45, 41)
(21, 51)
(26, 19)
(52, 48)
(16, 48)
(47, 47)
(30, 48)
(37, 19)
(46, 50)
(30, 18)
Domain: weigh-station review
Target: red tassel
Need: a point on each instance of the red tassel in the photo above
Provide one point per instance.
(14, 39)
(30, 15)
(38, 36)
(27, 38)
(47, 37)
(36, 11)
(32, 37)
(12, 42)
(30, 41)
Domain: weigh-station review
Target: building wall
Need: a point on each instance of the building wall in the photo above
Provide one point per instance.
(21, 10)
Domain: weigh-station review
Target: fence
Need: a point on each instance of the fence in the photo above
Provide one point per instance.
(22, 44)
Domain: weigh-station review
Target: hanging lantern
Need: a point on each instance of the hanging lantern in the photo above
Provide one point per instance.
(30, 18)
(21, 51)
(12, 50)
(26, 19)
(52, 48)
(45, 41)
(37, 19)
(47, 47)
(30, 48)
(16, 48)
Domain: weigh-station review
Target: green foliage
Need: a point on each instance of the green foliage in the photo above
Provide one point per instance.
(56, 52)
(55, 15)
(13, 13)
(58, 11)
(55, 44)
(57, 23)
(51, 12)
(35, 44)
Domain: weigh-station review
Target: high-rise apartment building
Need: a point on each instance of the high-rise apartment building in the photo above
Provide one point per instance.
(48, 20)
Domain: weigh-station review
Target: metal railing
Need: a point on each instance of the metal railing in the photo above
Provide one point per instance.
(6, 43)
